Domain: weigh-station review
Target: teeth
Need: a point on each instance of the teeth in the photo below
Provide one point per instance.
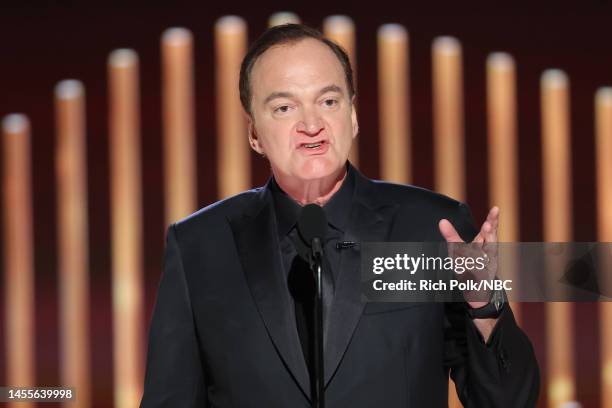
(312, 145)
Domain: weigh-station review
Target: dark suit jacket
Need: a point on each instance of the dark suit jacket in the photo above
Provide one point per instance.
(223, 334)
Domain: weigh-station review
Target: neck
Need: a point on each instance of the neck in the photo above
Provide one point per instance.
(317, 191)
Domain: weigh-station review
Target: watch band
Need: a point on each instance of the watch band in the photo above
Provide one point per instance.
(491, 310)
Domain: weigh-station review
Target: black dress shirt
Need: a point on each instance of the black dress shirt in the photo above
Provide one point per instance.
(300, 280)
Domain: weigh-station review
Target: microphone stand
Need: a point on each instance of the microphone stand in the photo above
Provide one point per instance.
(316, 265)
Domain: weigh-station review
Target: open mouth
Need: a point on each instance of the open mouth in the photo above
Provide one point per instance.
(313, 145)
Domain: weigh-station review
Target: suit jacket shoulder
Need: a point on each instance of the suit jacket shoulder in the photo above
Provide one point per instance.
(217, 214)
(419, 209)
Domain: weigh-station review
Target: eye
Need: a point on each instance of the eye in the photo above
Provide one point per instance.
(282, 109)
(330, 103)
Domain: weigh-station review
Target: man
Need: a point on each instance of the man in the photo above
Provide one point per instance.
(232, 325)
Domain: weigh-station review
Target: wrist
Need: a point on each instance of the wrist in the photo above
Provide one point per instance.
(490, 310)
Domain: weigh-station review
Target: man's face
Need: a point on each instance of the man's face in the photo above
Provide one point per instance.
(303, 119)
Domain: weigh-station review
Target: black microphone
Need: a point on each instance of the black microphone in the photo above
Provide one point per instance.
(312, 227)
(312, 223)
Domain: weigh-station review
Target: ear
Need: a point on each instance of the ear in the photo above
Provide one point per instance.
(354, 118)
(253, 138)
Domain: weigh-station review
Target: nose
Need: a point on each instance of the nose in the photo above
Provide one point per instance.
(311, 123)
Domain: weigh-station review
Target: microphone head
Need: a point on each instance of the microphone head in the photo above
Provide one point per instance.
(312, 223)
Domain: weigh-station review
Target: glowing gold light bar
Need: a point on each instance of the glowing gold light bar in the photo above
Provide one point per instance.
(283, 17)
(126, 219)
(603, 149)
(557, 211)
(73, 256)
(503, 154)
(179, 123)
(394, 110)
(233, 152)
(448, 129)
(448, 117)
(18, 254)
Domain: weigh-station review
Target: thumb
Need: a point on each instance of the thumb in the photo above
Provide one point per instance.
(448, 231)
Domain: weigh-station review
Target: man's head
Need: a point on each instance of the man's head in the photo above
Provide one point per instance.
(297, 90)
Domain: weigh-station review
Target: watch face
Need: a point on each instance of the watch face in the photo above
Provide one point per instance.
(498, 300)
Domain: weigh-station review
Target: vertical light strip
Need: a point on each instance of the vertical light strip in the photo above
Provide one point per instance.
(557, 212)
(341, 30)
(503, 154)
(18, 254)
(179, 123)
(73, 256)
(603, 152)
(283, 17)
(394, 104)
(448, 129)
(448, 117)
(126, 218)
(233, 151)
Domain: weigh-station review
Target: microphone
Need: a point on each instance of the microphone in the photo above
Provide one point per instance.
(312, 224)
(312, 227)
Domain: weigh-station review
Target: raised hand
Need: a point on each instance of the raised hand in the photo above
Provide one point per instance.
(485, 243)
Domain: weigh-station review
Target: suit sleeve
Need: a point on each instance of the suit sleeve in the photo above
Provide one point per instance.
(174, 376)
(500, 373)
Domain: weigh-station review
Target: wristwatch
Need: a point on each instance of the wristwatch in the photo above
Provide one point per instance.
(491, 310)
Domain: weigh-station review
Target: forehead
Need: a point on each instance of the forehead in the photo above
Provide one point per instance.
(305, 64)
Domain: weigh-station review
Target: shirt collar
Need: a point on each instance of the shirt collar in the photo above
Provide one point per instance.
(336, 209)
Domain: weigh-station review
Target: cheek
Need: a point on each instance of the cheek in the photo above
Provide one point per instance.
(277, 141)
(343, 132)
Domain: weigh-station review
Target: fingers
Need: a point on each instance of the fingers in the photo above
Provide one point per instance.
(489, 227)
(489, 232)
(449, 232)
(479, 239)
(493, 216)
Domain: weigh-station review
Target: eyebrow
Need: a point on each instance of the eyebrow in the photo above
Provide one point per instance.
(328, 88)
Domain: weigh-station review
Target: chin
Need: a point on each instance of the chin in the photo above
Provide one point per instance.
(318, 168)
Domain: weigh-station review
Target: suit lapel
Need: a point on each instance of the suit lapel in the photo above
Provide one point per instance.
(370, 221)
(257, 243)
